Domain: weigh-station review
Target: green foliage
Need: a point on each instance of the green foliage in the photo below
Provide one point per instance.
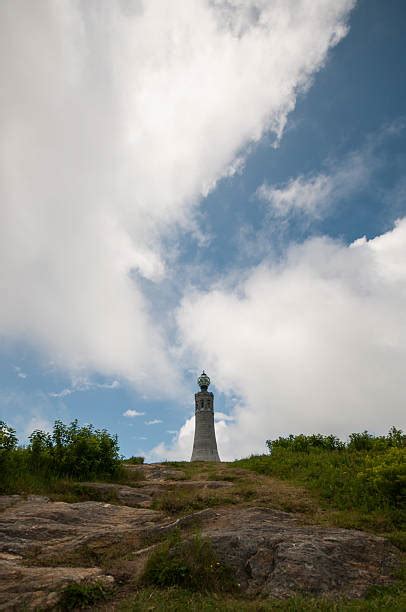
(135, 460)
(302, 443)
(368, 474)
(191, 564)
(78, 595)
(175, 599)
(70, 451)
(357, 441)
(79, 452)
(385, 474)
(8, 439)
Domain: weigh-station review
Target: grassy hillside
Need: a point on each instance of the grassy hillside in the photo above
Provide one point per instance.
(360, 484)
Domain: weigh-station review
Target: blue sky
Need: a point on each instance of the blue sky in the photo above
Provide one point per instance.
(143, 244)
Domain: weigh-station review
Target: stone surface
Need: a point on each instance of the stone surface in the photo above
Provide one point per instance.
(144, 494)
(44, 544)
(272, 554)
(40, 587)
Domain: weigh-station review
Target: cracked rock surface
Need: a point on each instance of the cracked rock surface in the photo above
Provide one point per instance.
(272, 554)
(45, 545)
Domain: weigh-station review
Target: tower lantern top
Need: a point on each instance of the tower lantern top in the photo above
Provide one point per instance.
(203, 381)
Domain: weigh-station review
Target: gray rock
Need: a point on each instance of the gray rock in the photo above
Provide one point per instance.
(273, 555)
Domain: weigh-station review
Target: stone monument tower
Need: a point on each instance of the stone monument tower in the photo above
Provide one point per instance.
(205, 445)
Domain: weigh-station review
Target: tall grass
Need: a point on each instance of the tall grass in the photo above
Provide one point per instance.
(368, 474)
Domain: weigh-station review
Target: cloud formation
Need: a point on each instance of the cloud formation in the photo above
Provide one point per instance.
(117, 118)
(132, 413)
(84, 384)
(153, 422)
(312, 196)
(315, 194)
(316, 342)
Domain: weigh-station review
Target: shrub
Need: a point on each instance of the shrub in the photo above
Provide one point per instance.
(73, 451)
(366, 442)
(191, 564)
(8, 438)
(135, 460)
(385, 474)
(70, 451)
(79, 595)
(302, 443)
(367, 475)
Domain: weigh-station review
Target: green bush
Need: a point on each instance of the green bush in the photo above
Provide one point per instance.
(385, 474)
(135, 460)
(8, 438)
(302, 443)
(366, 442)
(191, 564)
(79, 595)
(73, 451)
(70, 451)
(368, 474)
(357, 441)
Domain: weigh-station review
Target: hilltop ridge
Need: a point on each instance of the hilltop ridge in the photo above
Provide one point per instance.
(270, 536)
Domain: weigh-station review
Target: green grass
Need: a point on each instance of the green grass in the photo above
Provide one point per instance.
(178, 502)
(175, 599)
(190, 563)
(82, 595)
(18, 477)
(342, 481)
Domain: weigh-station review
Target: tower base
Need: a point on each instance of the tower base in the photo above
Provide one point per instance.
(205, 455)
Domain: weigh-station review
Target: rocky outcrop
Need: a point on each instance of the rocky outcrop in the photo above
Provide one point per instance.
(40, 587)
(45, 545)
(273, 555)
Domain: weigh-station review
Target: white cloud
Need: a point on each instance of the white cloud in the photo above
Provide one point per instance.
(153, 422)
(84, 384)
(133, 413)
(313, 195)
(314, 343)
(19, 372)
(117, 117)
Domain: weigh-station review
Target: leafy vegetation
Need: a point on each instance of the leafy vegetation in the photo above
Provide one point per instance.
(70, 451)
(135, 460)
(190, 564)
(79, 595)
(367, 475)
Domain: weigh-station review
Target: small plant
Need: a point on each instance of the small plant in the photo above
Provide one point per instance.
(8, 439)
(180, 502)
(385, 474)
(78, 595)
(191, 564)
(135, 460)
